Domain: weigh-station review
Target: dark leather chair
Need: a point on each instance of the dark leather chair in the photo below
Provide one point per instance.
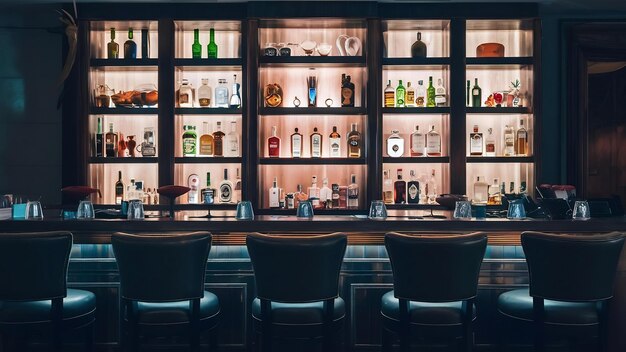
(34, 293)
(297, 283)
(435, 281)
(162, 286)
(571, 279)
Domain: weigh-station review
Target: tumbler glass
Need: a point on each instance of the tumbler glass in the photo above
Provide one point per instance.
(581, 210)
(462, 210)
(516, 209)
(33, 210)
(135, 210)
(305, 209)
(85, 210)
(378, 210)
(244, 210)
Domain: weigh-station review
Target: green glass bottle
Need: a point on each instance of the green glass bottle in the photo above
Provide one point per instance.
(113, 48)
(196, 48)
(430, 93)
(212, 47)
(400, 92)
(130, 47)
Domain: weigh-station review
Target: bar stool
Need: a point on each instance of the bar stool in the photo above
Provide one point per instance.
(571, 280)
(435, 280)
(297, 283)
(34, 294)
(162, 286)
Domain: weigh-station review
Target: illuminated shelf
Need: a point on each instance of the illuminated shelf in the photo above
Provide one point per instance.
(208, 62)
(523, 61)
(500, 159)
(313, 111)
(123, 62)
(416, 206)
(417, 160)
(123, 111)
(312, 161)
(336, 61)
(207, 160)
(496, 110)
(128, 160)
(207, 111)
(416, 61)
(411, 110)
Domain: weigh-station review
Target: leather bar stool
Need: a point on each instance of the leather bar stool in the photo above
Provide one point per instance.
(571, 280)
(33, 290)
(297, 283)
(162, 286)
(435, 282)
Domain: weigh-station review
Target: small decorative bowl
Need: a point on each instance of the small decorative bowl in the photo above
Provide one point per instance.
(324, 49)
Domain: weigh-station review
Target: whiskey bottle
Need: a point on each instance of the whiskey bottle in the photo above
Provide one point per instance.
(433, 142)
(353, 193)
(196, 47)
(111, 142)
(193, 182)
(413, 187)
(119, 189)
(440, 94)
(190, 140)
(208, 194)
(494, 193)
(430, 94)
(343, 197)
(490, 143)
(221, 94)
(296, 144)
(400, 92)
(274, 195)
(235, 99)
(477, 95)
(420, 94)
(395, 144)
(314, 193)
(237, 187)
(185, 95)
(130, 47)
(113, 49)
(232, 141)
(390, 99)
(399, 189)
(335, 196)
(387, 188)
(212, 47)
(218, 140)
(316, 144)
(521, 140)
(206, 141)
(509, 141)
(347, 92)
(418, 49)
(204, 94)
(326, 195)
(226, 189)
(409, 97)
(418, 142)
(99, 140)
(481, 191)
(476, 142)
(334, 143)
(273, 144)
(354, 142)
(299, 195)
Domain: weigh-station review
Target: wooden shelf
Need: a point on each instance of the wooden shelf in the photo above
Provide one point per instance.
(312, 161)
(500, 159)
(207, 160)
(129, 160)
(330, 61)
(416, 61)
(124, 63)
(416, 110)
(313, 111)
(417, 160)
(207, 111)
(124, 111)
(496, 110)
(521, 61)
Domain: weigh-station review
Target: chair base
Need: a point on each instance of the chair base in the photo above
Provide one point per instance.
(17, 338)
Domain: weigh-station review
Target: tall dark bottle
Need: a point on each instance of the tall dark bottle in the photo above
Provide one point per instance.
(418, 49)
(399, 189)
(347, 92)
(130, 47)
(119, 189)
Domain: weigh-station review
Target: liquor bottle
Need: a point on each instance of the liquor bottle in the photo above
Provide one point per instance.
(185, 95)
(110, 142)
(335, 196)
(430, 94)
(326, 195)
(113, 49)
(395, 144)
(311, 84)
(296, 144)
(208, 193)
(387, 188)
(334, 142)
(193, 182)
(400, 92)
(418, 142)
(476, 142)
(119, 189)
(300, 196)
(490, 143)
(467, 94)
(221, 94)
(399, 189)
(189, 140)
(235, 99)
(316, 144)
(433, 142)
(212, 47)
(431, 193)
(343, 197)
(274, 195)
(440, 93)
(353, 193)
(481, 191)
(314, 192)
(206, 141)
(354, 142)
(420, 94)
(218, 140)
(347, 92)
(477, 95)
(409, 97)
(509, 141)
(232, 141)
(494, 193)
(290, 202)
(145, 44)
(521, 140)
(390, 99)
(99, 140)
(273, 144)
(204, 94)
(226, 189)
(130, 47)
(237, 191)
(413, 189)
(196, 47)
(418, 49)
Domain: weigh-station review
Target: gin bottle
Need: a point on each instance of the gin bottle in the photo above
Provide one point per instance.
(221, 94)
(387, 188)
(413, 189)
(430, 94)
(232, 141)
(212, 47)
(235, 99)
(409, 98)
(440, 94)
(420, 94)
(353, 193)
(395, 144)
(400, 92)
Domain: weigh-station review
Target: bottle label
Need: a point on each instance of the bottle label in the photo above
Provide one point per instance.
(354, 143)
(390, 99)
(395, 147)
(434, 145)
(208, 196)
(347, 95)
(226, 193)
(476, 143)
(206, 148)
(335, 147)
(183, 98)
(189, 146)
(490, 148)
(316, 147)
(417, 144)
(410, 97)
(233, 147)
(296, 146)
(274, 198)
(273, 148)
(204, 102)
(413, 193)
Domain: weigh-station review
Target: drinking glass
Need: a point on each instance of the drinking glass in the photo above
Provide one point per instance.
(516, 209)
(244, 210)
(34, 211)
(581, 210)
(305, 209)
(135, 210)
(480, 211)
(85, 210)
(378, 210)
(462, 210)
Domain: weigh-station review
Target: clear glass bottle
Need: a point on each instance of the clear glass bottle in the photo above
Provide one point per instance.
(237, 187)
(353, 193)
(206, 141)
(204, 94)
(193, 182)
(433, 142)
(130, 47)
(481, 191)
(113, 49)
(395, 144)
(420, 94)
(399, 189)
(326, 195)
(207, 194)
(509, 141)
(316, 144)
(196, 47)
(476, 142)
(334, 144)
(413, 189)
(400, 93)
(296, 144)
(314, 192)
(440, 94)
(521, 140)
(273, 144)
(490, 143)
(212, 47)
(190, 140)
(418, 49)
(235, 98)
(418, 142)
(232, 141)
(221, 94)
(432, 193)
(390, 98)
(354, 142)
(274, 195)
(226, 189)
(218, 140)
(409, 98)
(387, 188)
(185, 94)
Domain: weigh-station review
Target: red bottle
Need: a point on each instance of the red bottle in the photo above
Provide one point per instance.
(273, 144)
